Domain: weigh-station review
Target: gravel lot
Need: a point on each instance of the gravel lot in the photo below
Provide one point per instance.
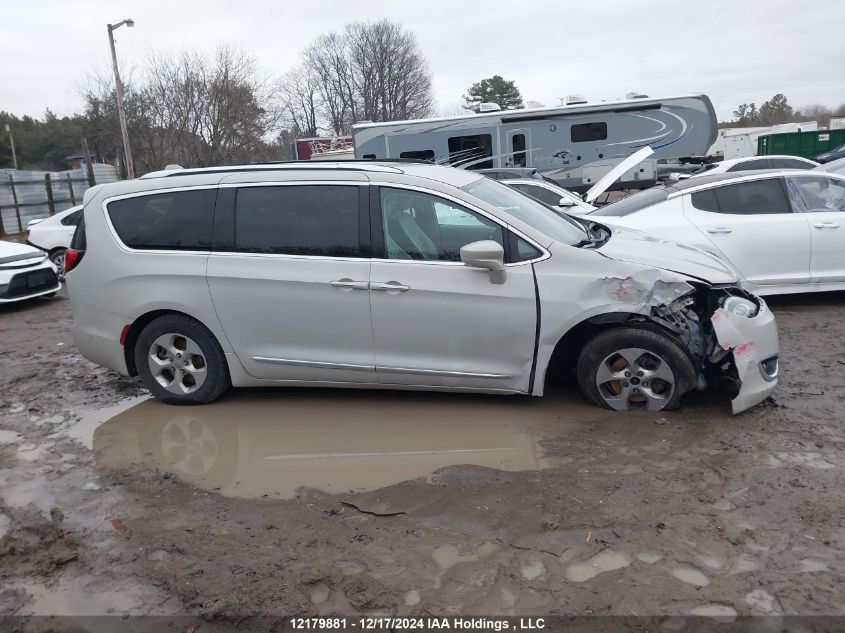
(314, 501)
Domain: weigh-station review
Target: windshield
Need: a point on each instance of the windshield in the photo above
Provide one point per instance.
(558, 227)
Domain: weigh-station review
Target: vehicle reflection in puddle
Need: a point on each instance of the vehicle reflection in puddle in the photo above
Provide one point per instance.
(255, 443)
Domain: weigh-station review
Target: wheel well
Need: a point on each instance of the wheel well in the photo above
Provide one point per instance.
(134, 332)
(568, 348)
(570, 344)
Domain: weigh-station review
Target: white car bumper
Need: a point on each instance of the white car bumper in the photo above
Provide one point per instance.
(754, 345)
(27, 282)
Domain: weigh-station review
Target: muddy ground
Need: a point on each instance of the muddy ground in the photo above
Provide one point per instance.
(315, 501)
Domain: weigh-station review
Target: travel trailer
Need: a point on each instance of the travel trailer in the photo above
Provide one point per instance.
(574, 145)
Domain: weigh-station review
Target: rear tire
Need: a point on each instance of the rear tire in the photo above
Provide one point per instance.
(180, 361)
(631, 369)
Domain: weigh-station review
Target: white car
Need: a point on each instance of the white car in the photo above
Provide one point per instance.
(752, 163)
(834, 167)
(52, 235)
(550, 194)
(25, 273)
(398, 275)
(783, 231)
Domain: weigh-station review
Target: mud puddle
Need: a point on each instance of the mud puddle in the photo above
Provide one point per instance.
(260, 443)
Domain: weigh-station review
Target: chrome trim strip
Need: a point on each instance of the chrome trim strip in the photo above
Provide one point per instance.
(440, 372)
(312, 363)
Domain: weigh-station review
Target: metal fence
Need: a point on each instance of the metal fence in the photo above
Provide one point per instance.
(30, 195)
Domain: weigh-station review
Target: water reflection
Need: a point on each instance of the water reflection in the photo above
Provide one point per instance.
(256, 442)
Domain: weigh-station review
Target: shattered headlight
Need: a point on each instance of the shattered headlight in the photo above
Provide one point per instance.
(739, 306)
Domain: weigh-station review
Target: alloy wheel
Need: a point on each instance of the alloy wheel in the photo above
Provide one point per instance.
(633, 379)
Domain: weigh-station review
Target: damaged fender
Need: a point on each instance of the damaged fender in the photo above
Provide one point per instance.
(753, 342)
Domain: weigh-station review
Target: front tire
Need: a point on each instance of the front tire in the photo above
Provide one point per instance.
(634, 369)
(180, 361)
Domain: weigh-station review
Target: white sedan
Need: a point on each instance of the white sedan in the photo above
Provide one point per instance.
(25, 272)
(752, 163)
(52, 235)
(550, 194)
(783, 231)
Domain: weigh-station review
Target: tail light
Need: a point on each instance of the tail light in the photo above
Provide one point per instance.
(72, 258)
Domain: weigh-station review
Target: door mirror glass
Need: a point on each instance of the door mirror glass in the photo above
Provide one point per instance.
(486, 254)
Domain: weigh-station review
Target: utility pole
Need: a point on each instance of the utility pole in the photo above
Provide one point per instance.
(12, 141)
(121, 111)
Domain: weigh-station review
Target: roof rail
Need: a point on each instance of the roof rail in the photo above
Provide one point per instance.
(351, 164)
(348, 160)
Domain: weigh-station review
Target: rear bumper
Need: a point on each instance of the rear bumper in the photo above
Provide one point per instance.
(754, 345)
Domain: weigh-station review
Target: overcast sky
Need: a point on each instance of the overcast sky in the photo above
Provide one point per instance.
(734, 51)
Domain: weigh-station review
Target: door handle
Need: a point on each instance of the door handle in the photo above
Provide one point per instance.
(720, 229)
(826, 225)
(390, 286)
(349, 284)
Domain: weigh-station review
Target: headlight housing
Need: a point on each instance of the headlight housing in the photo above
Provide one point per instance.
(740, 306)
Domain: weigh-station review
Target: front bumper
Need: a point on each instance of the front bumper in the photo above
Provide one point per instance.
(19, 284)
(754, 345)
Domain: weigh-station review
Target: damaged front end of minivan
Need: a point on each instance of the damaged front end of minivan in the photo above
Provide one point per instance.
(729, 334)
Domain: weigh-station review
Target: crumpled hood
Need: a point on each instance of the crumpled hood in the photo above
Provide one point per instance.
(636, 247)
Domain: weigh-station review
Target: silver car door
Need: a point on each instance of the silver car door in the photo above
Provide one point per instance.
(437, 322)
(289, 280)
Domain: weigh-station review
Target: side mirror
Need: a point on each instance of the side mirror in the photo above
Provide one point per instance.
(566, 203)
(489, 255)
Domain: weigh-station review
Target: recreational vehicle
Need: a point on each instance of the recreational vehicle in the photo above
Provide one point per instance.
(574, 145)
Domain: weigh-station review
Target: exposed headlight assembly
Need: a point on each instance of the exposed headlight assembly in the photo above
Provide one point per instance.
(739, 306)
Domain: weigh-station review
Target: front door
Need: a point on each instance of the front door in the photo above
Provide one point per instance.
(518, 148)
(821, 200)
(753, 225)
(290, 283)
(437, 322)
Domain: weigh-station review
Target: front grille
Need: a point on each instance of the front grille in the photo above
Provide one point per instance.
(30, 283)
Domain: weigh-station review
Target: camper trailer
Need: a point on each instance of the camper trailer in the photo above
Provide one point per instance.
(575, 145)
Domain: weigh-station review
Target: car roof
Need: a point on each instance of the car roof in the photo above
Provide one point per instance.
(734, 161)
(353, 170)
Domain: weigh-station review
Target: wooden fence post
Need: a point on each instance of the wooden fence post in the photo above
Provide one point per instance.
(15, 198)
(70, 187)
(48, 185)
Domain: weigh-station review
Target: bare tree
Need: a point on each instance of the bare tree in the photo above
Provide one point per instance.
(371, 71)
(301, 101)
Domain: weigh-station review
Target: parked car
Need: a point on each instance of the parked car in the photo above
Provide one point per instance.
(52, 235)
(834, 167)
(751, 163)
(25, 273)
(781, 230)
(398, 276)
(833, 154)
(551, 194)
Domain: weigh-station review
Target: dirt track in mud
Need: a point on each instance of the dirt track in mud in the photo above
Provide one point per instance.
(312, 501)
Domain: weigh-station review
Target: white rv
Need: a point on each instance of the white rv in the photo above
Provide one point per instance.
(575, 145)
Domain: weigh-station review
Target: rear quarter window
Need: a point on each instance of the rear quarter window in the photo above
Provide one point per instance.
(177, 220)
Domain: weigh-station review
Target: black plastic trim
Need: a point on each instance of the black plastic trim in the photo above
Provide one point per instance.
(536, 332)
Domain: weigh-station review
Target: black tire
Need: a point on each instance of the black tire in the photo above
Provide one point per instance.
(605, 344)
(216, 380)
(55, 254)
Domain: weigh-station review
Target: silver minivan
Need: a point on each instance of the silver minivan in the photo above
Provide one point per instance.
(399, 275)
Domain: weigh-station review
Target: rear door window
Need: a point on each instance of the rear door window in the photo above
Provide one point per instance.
(176, 220)
(72, 219)
(315, 220)
(813, 194)
(757, 197)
